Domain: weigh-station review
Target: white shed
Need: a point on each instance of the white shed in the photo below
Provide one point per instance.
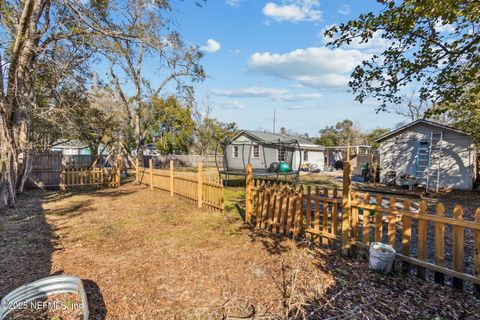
(439, 156)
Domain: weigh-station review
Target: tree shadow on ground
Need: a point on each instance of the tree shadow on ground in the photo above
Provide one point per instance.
(234, 182)
(96, 304)
(28, 243)
(72, 210)
(111, 193)
(344, 287)
(241, 211)
(360, 293)
(53, 196)
(274, 244)
(338, 287)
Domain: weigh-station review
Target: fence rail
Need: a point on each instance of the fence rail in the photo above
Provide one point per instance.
(440, 241)
(89, 178)
(73, 178)
(197, 187)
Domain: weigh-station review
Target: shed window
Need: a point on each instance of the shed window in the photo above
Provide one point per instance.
(305, 155)
(280, 154)
(235, 152)
(256, 152)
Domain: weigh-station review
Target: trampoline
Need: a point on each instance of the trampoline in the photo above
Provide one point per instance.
(269, 168)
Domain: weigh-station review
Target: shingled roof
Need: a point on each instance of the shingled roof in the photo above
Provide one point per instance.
(269, 137)
(411, 124)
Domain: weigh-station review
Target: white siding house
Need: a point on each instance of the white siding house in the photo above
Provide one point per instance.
(71, 147)
(439, 156)
(260, 149)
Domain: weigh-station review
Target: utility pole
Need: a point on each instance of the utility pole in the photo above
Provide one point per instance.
(274, 120)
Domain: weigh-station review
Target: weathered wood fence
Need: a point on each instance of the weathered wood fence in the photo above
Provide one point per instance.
(346, 221)
(73, 178)
(46, 171)
(197, 187)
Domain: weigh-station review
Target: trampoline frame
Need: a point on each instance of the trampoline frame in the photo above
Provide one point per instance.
(261, 173)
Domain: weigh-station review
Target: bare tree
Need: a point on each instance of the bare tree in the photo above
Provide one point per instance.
(413, 110)
(210, 134)
(174, 61)
(44, 47)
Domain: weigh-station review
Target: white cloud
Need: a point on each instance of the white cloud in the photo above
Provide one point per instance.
(294, 11)
(264, 92)
(251, 92)
(374, 45)
(232, 104)
(313, 67)
(440, 27)
(233, 3)
(300, 107)
(300, 97)
(211, 46)
(344, 9)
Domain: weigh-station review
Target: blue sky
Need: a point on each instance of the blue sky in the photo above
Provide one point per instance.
(262, 55)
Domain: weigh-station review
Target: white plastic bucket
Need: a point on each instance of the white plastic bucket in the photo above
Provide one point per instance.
(381, 257)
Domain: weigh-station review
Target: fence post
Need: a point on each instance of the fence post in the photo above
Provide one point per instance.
(458, 244)
(150, 172)
(117, 173)
(299, 213)
(248, 193)
(62, 179)
(200, 184)
(137, 170)
(346, 204)
(171, 178)
(477, 252)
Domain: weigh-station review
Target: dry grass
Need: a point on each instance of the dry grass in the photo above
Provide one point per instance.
(144, 255)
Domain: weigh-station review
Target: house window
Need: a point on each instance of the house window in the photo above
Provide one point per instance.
(235, 152)
(305, 155)
(256, 152)
(280, 154)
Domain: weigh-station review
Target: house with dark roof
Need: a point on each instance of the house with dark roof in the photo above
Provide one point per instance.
(438, 156)
(261, 149)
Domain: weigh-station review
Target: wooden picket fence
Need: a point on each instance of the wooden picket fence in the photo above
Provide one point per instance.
(341, 219)
(197, 187)
(74, 178)
(78, 178)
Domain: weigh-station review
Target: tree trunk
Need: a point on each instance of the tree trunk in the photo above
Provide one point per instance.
(130, 162)
(139, 140)
(26, 169)
(94, 149)
(8, 163)
(94, 146)
(16, 106)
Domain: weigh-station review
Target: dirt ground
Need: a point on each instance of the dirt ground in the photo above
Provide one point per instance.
(144, 255)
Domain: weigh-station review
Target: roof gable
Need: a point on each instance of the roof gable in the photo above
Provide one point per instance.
(416, 122)
(272, 138)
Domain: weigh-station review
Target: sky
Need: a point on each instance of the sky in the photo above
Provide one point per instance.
(261, 55)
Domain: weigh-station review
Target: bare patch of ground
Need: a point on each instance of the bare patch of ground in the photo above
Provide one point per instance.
(144, 255)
